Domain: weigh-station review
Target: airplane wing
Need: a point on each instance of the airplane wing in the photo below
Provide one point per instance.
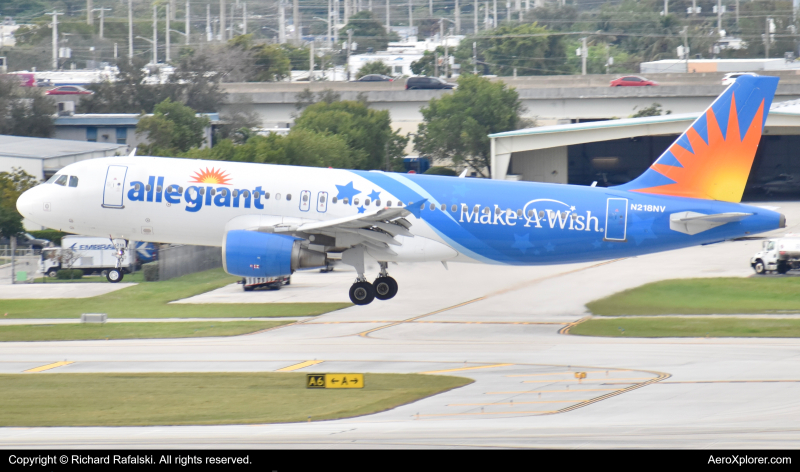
(376, 228)
(691, 223)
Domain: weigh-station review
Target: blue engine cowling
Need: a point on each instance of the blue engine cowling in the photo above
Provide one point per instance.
(254, 254)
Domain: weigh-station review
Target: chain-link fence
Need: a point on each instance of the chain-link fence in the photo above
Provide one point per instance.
(25, 268)
(175, 261)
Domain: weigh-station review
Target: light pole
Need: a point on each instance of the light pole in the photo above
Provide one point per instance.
(102, 17)
(328, 21)
(154, 44)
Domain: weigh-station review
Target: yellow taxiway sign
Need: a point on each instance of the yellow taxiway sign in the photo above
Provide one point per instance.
(334, 380)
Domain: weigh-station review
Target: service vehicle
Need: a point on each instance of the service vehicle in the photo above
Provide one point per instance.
(732, 76)
(273, 283)
(92, 254)
(780, 255)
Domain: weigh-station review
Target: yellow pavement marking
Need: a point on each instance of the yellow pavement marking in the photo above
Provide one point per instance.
(495, 413)
(571, 373)
(465, 368)
(443, 322)
(520, 403)
(299, 366)
(583, 381)
(729, 381)
(554, 391)
(493, 294)
(661, 376)
(366, 333)
(49, 366)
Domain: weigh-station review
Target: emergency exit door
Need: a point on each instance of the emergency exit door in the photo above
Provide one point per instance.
(115, 187)
(616, 219)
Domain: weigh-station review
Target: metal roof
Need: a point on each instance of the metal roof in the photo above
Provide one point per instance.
(45, 148)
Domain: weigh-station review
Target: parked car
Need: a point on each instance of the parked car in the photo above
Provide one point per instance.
(69, 90)
(731, 77)
(27, 241)
(632, 81)
(375, 78)
(416, 83)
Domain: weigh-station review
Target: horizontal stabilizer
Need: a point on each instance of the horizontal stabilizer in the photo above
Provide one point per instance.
(691, 223)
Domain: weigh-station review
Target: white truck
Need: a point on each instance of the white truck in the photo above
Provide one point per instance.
(86, 253)
(780, 255)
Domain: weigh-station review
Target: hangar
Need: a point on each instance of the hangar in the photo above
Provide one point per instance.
(613, 152)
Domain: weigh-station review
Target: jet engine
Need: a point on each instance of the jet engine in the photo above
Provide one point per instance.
(254, 254)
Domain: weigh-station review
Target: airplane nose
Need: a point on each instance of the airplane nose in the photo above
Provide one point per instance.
(26, 203)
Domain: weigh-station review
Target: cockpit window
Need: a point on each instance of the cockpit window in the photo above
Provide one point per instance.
(73, 181)
(53, 178)
(62, 180)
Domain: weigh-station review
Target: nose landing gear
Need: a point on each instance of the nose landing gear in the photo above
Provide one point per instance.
(115, 275)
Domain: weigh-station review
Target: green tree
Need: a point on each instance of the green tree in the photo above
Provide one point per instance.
(456, 126)
(12, 184)
(368, 132)
(426, 64)
(271, 63)
(25, 111)
(652, 110)
(374, 67)
(195, 83)
(129, 93)
(368, 32)
(528, 48)
(300, 147)
(173, 128)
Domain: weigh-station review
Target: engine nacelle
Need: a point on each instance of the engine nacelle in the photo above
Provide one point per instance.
(254, 254)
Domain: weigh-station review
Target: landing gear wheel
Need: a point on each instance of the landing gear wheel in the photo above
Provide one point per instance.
(114, 276)
(385, 288)
(759, 267)
(362, 293)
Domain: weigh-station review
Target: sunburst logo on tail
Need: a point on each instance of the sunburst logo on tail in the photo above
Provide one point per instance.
(212, 176)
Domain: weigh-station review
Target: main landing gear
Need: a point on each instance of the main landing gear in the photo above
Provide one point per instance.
(363, 292)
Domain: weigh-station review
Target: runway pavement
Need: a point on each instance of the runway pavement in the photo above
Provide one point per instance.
(499, 326)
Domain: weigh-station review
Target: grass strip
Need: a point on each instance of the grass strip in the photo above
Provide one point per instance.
(200, 398)
(151, 300)
(689, 327)
(704, 296)
(84, 331)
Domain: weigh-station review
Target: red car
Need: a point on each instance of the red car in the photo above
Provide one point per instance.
(632, 81)
(69, 90)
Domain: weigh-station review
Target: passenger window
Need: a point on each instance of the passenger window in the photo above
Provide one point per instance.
(433, 206)
(158, 188)
(305, 198)
(266, 195)
(355, 201)
(147, 187)
(235, 193)
(202, 190)
(322, 199)
(73, 181)
(256, 195)
(246, 194)
(486, 210)
(366, 201)
(399, 203)
(137, 187)
(377, 203)
(335, 199)
(288, 197)
(62, 181)
(519, 213)
(210, 191)
(444, 207)
(180, 189)
(541, 214)
(388, 203)
(530, 213)
(277, 196)
(496, 210)
(224, 192)
(454, 208)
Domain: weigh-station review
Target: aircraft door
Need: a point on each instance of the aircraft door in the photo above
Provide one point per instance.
(114, 190)
(305, 200)
(322, 202)
(616, 219)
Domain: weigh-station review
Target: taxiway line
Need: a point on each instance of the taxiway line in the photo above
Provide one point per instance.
(494, 413)
(730, 381)
(465, 368)
(584, 380)
(570, 372)
(364, 334)
(661, 376)
(553, 391)
(299, 366)
(520, 403)
(49, 366)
